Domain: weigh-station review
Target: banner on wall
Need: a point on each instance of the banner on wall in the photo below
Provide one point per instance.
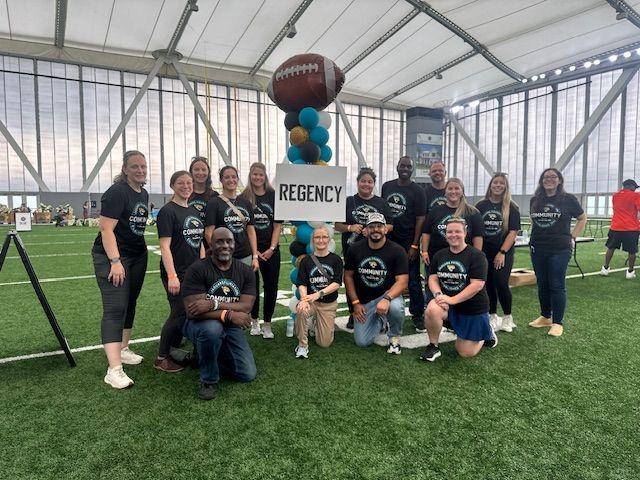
(310, 193)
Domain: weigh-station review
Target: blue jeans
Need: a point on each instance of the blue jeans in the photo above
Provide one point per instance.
(551, 268)
(416, 294)
(365, 333)
(221, 351)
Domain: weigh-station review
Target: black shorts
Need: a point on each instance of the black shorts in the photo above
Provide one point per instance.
(627, 240)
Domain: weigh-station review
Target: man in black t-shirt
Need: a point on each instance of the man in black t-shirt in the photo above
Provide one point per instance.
(219, 292)
(375, 275)
(407, 203)
(456, 279)
(434, 192)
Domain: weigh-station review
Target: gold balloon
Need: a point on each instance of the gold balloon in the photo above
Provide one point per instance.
(320, 163)
(293, 231)
(298, 135)
(299, 260)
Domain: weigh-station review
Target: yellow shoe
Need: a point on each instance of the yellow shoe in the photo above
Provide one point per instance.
(541, 322)
(555, 330)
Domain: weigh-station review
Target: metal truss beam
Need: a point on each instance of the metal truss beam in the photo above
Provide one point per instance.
(23, 157)
(281, 34)
(61, 22)
(625, 11)
(347, 126)
(595, 117)
(467, 138)
(475, 44)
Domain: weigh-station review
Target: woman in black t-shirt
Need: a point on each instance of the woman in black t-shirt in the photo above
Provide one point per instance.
(180, 231)
(552, 243)
(260, 194)
(202, 191)
(500, 222)
(120, 262)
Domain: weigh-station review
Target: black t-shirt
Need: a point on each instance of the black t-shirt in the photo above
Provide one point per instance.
(551, 221)
(374, 271)
(434, 196)
(406, 203)
(199, 201)
(130, 208)
(436, 226)
(203, 276)
(186, 230)
(264, 220)
(455, 271)
(309, 275)
(358, 210)
(492, 220)
(219, 214)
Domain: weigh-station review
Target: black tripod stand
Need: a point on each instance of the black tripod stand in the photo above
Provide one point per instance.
(12, 235)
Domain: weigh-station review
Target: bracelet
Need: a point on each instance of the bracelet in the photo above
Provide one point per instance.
(255, 256)
(273, 248)
(214, 304)
(387, 297)
(349, 228)
(414, 246)
(355, 302)
(224, 314)
(437, 294)
(228, 315)
(114, 260)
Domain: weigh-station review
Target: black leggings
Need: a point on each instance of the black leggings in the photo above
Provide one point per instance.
(171, 334)
(270, 271)
(498, 282)
(119, 303)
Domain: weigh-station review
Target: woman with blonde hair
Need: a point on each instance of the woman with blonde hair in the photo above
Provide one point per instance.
(501, 222)
(260, 194)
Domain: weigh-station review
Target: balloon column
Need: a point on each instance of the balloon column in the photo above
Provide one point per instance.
(303, 86)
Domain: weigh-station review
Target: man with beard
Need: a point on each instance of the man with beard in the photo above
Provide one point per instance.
(434, 192)
(219, 292)
(375, 276)
(407, 202)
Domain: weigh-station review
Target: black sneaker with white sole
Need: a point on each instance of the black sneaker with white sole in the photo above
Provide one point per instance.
(431, 353)
(493, 343)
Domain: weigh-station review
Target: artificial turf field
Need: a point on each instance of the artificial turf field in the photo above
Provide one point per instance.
(535, 407)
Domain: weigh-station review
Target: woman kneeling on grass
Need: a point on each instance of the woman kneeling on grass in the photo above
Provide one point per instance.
(180, 231)
(120, 262)
(456, 279)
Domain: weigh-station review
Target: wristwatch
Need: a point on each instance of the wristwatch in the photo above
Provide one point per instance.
(321, 294)
(504, 252)
(114, 260)
(387, 297)
(437, 294)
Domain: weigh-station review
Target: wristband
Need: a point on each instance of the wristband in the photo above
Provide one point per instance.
(355, 302)
(387, 297)
(273, 248)
(223, 315)
(214, 304)
(437, 294)
(255, 256)
(414, 246)
(228, 317)
(114, 260)
(349, 228)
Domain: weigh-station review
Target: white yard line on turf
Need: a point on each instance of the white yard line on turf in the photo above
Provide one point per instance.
(52, 255)
(62, 279)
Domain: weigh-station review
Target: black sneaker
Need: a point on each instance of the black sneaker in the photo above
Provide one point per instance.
(493, 343)
(206, 391)
(431, 353)
(350, 322)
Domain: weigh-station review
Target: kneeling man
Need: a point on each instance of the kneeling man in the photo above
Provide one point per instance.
(456, 279)
(218, 294)
(376, 274)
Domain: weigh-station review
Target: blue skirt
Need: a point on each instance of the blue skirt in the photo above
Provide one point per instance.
(470, 327)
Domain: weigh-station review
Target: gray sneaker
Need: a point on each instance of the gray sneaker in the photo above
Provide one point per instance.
(302, 352)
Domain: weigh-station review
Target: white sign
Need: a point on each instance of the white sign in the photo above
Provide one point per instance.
(430, 138)
(310, 193)
(23, 222)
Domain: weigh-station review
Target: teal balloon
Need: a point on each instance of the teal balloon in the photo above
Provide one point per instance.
(304, 232)
(293, 260)
(308, 117)
(325, 153)
(319, 136)
(309, 248)
(297, 223)
(298, 293)
(294, 154)
(293, 276)
(299, 161)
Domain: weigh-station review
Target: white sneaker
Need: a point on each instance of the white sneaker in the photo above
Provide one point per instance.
(302, 352)
(604, 272)
(267, 333)
(394, 346)
(117, 378)
(128, 357)
(630, 275)
(495, 321)
(255, 327)
(507, 324)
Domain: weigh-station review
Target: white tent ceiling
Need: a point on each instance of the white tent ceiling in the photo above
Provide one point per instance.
(228, 36)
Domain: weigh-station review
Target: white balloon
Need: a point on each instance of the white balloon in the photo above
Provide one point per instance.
(317, 224)
(332, 245)
(325, 120)
(293, 288)
(331, 229)
(293, 303)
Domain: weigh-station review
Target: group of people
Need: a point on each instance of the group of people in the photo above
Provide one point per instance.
(214, 248)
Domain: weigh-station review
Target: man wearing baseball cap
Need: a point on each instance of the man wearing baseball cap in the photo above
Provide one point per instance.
(625, 227)
(376, 274)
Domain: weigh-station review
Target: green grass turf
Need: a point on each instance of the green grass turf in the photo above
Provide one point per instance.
(535, 407)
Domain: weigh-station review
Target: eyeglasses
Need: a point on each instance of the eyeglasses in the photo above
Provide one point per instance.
(550, 177)
(322, 237)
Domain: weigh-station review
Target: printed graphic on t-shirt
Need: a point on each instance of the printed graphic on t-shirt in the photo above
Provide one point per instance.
(261, 216)
(442, 225)
(317, 280)
(361, 213)
(492, 220)
(233, 221)
(548, 217)
(200, 205)
(138, 218)
(437, 202)
(192, 231)
(224, 290)
(372, 271)
(397, 203)
(452, 275)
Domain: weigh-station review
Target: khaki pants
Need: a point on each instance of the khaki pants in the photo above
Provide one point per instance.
(325, 314)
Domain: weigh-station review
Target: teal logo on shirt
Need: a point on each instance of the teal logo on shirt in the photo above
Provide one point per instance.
(437, 202)
(233, 221)
(397, 203)
(492, 220)
(452, 275)
(547, 217)
(372, 271)
(192, 231)
(138, 218)
(224, 290)
(261, 216)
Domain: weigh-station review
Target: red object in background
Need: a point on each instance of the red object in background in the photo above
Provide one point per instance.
(306, 80)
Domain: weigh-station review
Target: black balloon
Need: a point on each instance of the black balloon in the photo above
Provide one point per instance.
(291, 120)
(297, 248)
(309, 152)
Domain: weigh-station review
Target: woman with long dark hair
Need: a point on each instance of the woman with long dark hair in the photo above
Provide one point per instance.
(180, 232)
(501, 222)
(260, 194)
(120, 262)
(202, 191)
(552, 242)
